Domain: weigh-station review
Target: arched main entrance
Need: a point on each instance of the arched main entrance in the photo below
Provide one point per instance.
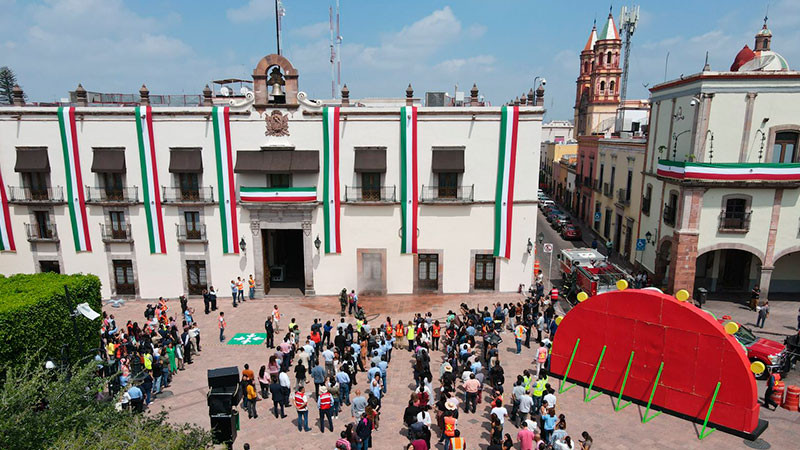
(730, 270)
(785, 275)
(663, 257)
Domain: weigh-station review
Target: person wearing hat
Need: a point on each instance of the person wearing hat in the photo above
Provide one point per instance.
(450, 421)
(325, 403)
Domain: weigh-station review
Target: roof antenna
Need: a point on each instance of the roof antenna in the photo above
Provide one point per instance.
(706, 67)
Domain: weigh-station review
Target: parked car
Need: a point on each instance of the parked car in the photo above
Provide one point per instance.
(560, 221)
(545, 203)
(553, 215)
(771, 353)
(571, 232)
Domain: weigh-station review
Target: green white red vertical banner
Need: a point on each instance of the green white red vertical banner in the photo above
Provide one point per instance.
(408, 178)
(504, 195)
(227, 190)
(152, 198)
(6, 235)
(72, 170)
(330, 190)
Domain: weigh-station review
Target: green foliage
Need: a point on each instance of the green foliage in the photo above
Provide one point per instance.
(7, 81)
(35, 316)
(60, 409)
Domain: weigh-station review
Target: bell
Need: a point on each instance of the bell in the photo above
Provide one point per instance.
(276, 90)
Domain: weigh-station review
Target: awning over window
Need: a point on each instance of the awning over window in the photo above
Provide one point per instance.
(448, 160)
(185, 160)
(108, 160)
(32, 160)
(277, 161)
(370, 159)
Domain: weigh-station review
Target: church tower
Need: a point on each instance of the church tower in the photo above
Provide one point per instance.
(607, 73)
(584, 83)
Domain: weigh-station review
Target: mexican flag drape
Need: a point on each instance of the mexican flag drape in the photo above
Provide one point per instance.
(227, 190)
(504, 195)
(72, 169)
(408, 178)
(152, 197)
(330, 189)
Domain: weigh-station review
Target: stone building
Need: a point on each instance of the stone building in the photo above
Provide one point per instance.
(160, 201)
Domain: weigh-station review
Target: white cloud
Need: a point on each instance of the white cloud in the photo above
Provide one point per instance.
(476, 30)
(311, 31)
(253, 11)
(480, 63)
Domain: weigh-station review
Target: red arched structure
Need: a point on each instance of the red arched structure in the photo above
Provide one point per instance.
(696, 351)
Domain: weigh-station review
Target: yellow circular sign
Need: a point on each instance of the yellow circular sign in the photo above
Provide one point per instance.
(622, 285)
(558, 320)
(757, 367)
(582, 296)
(731, 327)
(682, 295)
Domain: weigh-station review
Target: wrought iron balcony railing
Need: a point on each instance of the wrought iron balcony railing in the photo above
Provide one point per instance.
(370, 194)
(19, 194)
(445, 194)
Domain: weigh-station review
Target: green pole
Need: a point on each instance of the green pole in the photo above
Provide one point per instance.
(645, 418)
(562, 388)
(703, 434)
(591, 383)
(624, 380)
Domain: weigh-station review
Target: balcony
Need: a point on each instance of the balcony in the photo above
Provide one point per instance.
(597, 185)
(587, 181)
(734, 221)
(112, 196)
(606, 190)
(669, 215)
(38, 196)
(623, 197)
(112, 234)
(377, 194)
(186, 234)
(646, 205)
(41, 233)
(180, 196)
(447, 194)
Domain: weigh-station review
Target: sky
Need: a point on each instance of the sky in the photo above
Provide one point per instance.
(177, 46)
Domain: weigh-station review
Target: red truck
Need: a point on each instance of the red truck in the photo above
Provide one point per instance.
(593, 273)
(769, 352)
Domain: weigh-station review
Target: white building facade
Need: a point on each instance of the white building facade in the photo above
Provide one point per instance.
(95, 196)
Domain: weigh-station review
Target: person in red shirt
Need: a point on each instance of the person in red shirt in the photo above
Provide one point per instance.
(325, 403)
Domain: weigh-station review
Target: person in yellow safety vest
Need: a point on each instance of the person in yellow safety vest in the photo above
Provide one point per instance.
(457, 442)
(399, 334)
(526, 380)
(519, 336)
(411, 336)
(252, 284)
(359, 324)
(148, 361)
(538, 391)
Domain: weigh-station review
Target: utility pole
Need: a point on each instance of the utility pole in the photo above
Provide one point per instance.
(336, 51)
(628, 18)
(279, 12)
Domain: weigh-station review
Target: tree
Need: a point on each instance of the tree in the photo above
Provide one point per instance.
(7, 81)
(65, 409)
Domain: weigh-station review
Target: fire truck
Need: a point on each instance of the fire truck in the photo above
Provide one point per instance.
(588, 270)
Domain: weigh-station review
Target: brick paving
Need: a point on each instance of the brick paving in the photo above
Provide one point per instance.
(186, 399)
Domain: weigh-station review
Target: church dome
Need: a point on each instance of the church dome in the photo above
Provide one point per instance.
(744, 55)
(765, 61)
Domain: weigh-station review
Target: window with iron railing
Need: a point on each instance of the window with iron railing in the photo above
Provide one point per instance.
(371, 194)
(669, 215)
(112, 195)
(41, 231)
(179, 195)
(734, 220)
(623, 197)
(17, 194)
(452, 194)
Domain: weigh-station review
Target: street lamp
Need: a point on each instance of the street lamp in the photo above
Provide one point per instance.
(243, 246)
(540, 238)
(648, 236)
(530, 246)
(317, 243)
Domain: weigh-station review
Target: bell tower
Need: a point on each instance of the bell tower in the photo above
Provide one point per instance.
(763, 38)
(607, 73)
(584, 83)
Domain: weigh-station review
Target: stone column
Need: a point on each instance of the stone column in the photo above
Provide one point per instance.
(683, 263)
(308, 259)
(764, 280)
(257, 253)
(750, 100)
(769, 255)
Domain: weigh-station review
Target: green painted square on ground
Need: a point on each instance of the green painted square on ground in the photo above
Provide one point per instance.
(248, 339)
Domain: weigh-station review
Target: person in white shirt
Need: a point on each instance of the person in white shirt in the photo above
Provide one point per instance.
(550, 398)
(424, 416)
(500, 411)
(286, 385)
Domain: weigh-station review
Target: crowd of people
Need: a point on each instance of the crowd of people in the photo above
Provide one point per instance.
(456, 363)
(142, 360)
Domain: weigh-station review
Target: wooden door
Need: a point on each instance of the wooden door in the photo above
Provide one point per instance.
(428, 272)
(484, 272)
(196, 274)
(123, 277)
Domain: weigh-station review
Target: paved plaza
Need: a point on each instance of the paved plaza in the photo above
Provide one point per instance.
(185, 399)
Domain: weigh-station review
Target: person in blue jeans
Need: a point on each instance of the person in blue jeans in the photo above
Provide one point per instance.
(301, 403)
(549, 424)
(364, 432)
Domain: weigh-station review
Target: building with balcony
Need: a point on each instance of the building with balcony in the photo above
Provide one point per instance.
(617, 199)
(551, 154)
(722, 178)
(259, 183)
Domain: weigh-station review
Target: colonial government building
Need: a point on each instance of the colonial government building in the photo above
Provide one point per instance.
(308, 196)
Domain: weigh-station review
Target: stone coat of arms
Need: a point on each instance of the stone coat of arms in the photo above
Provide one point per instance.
(277, 124)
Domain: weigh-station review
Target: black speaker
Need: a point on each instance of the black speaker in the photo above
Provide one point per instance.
(223, 428)
(223, 377)
(222, 399)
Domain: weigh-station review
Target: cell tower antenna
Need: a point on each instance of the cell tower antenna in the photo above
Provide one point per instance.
(279, 12)
(628, 19)
(338, 51)
(333, 53)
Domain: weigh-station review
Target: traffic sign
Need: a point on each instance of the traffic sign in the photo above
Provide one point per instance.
(640, 245)
(548, 248)
(248, 339)
(597, 216)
